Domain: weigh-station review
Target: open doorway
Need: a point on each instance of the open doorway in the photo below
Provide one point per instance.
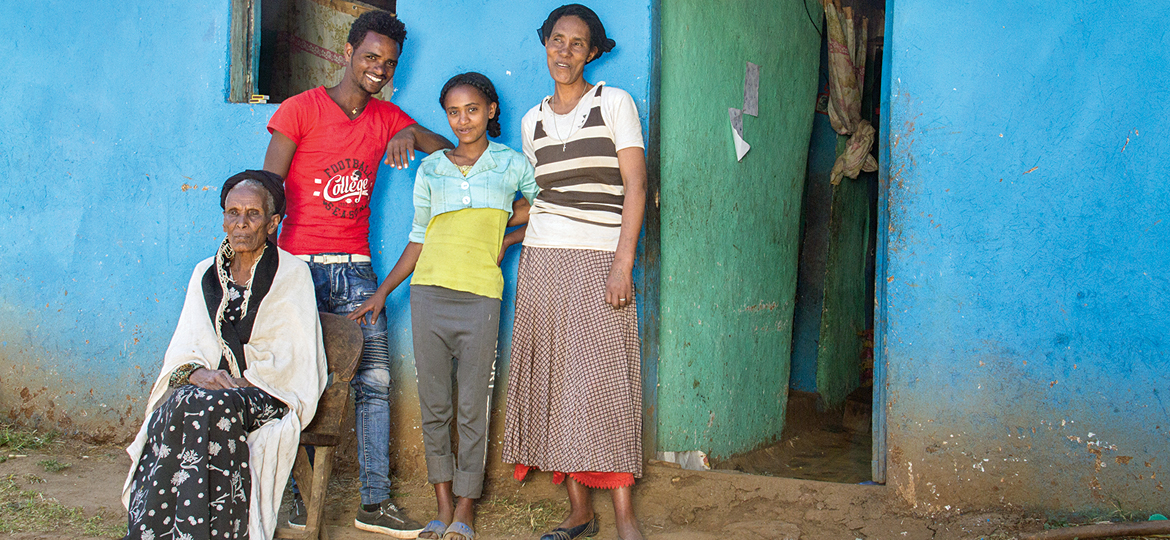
(302, 42)
(828, 432)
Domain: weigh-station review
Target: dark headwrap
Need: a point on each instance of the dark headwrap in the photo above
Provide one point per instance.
(596, 30)
(271, 181)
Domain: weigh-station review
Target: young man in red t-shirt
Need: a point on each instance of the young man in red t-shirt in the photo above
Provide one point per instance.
(327, 143)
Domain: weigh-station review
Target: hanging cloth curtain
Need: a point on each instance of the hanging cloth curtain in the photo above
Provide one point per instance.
(846, 75)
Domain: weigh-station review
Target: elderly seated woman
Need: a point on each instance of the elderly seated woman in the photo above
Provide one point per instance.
(240, 378)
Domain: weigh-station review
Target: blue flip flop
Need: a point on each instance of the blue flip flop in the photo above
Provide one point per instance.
(459, 531)
(436, 528)
(584, 530)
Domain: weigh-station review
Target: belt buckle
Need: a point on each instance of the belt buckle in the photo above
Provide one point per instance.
(336, 259)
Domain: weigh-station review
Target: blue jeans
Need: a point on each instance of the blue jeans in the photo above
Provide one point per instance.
(341, 288)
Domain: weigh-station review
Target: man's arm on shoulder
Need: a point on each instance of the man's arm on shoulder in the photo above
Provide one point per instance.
(280, 152)
(429, 141)
(400, 149)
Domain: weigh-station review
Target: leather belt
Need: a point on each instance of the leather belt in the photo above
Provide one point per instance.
(335, 258)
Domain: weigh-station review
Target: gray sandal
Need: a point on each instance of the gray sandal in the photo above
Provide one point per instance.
(433, 531)
(459, 531)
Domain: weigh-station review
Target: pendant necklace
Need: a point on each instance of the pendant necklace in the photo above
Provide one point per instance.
(556, 127)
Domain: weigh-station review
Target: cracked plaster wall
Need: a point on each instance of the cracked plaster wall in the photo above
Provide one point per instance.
(1028, 273)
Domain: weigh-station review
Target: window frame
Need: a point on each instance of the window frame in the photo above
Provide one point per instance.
(244, 45)
(244, 51)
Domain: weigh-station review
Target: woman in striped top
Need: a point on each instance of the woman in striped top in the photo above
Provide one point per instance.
(574, 404)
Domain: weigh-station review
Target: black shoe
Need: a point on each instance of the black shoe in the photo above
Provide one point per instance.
(389, 519)
(589, 528)
(296, 513)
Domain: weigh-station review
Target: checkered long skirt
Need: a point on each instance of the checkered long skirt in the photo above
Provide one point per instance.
(575, 380)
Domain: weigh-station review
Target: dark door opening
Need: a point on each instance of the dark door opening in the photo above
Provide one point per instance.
(302, 42)
(828, 421)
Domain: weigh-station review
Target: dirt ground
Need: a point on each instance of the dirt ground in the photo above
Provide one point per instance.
(672, 504)
(826, 445)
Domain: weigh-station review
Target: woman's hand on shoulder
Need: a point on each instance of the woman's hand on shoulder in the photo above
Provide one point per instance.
(619, 287)
(212, 379)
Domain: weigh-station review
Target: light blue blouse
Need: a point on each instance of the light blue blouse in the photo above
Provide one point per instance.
(492, 182)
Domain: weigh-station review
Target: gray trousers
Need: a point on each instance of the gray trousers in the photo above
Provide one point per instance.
(455, 332)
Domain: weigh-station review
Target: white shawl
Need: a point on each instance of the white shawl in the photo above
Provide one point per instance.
(285, 357)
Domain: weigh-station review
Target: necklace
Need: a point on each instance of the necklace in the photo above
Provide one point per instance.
(355, 110)
(557, 130)
(556, 126)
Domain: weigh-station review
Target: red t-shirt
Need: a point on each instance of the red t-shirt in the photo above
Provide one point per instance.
(333, 171)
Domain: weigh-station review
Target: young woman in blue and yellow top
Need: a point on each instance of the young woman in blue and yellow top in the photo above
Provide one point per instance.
(462, 204)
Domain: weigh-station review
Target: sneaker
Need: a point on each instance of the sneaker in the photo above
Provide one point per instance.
(388, 519)
(296, 513)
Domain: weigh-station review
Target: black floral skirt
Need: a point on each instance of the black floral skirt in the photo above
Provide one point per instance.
(192, 481)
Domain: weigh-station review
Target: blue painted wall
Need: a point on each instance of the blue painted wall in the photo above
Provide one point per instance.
(115, 122)
(1026, 326)
(116, 138)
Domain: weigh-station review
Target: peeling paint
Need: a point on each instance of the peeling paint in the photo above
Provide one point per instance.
(729, 262)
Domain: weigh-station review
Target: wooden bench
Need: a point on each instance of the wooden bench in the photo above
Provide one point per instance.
(343, 350)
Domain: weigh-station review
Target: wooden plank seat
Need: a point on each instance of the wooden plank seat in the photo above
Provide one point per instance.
(343, 350)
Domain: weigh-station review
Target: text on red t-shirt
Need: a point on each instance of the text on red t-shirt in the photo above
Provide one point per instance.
(333, 170)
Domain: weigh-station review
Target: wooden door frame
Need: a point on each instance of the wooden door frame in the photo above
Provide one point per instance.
(881, 267)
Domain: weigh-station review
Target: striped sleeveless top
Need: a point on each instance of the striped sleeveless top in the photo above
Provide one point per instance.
(581, 191)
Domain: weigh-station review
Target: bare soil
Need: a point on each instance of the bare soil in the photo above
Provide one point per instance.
(829, 445)
(672, 504)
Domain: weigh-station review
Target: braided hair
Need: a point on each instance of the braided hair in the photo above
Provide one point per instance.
(596, 29)
(485, 87)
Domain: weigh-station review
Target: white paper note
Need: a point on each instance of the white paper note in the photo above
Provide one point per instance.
(741, 146)
(736, 120)
(751, 90)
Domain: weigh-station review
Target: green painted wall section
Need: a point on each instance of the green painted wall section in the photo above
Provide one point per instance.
(729, 230)
(844, 308)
